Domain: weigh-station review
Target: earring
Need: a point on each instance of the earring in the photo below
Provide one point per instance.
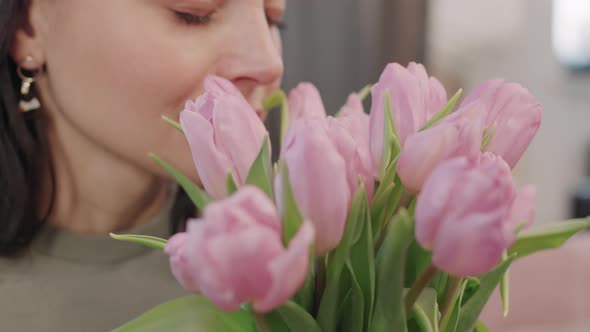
(28, 102)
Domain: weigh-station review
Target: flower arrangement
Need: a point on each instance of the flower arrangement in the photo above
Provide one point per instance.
(403, 219)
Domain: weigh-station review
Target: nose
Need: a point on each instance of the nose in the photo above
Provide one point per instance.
(253, 57)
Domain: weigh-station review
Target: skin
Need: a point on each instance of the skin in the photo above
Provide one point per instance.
(112, 69)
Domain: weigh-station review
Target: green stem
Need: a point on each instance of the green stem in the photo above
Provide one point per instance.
(448, 296)
(423, 280)
(261, 324)
(320, 282)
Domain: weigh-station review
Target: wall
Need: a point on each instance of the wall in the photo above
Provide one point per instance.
(471, 41)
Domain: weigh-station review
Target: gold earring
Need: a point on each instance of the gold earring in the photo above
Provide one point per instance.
(28, 102)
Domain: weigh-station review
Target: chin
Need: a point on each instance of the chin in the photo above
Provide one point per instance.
(176, 153)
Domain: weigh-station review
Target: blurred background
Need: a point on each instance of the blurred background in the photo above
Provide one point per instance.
(341, 45)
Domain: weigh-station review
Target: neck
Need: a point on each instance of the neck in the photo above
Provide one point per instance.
(95, 190)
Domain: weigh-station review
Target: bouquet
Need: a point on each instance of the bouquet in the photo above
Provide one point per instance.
(403, 219)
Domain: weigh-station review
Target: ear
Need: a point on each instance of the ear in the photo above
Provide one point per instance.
(28, 39)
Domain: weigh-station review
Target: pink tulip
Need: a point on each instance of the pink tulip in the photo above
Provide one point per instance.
(305, 101)
(460, 134)
(224, 134)
(350, 134)
(319, 178)
(523, 209)
(234, 253)
(468, 211)
(353, 105)
(513, 112)
(179, 262)
(415, 98)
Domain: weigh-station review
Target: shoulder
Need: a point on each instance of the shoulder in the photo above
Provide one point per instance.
(13, 266)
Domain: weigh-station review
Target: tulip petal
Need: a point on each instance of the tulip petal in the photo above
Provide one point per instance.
(288, 271)
(305, 101)
(317, 173)
(423, 152)
(514, 114)
(179, 264)
(432, 202)
(523, 208)
(457, 135)
(211, 164)
(415, 98)
(463, 213)
(472, 248)
(353, 105)
(220, 86)
(437, 99)
(234, 254)
(357, 126)
(351, 151)
(239, 133)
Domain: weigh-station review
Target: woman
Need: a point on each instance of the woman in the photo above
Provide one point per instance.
(83, 86)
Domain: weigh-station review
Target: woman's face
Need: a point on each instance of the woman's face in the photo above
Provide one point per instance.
(113, 68)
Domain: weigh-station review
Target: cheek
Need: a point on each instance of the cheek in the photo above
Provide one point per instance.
(113, 80)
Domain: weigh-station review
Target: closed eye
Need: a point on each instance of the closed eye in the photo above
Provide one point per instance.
(192, 19)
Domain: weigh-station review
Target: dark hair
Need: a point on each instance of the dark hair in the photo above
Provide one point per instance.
(24, 153)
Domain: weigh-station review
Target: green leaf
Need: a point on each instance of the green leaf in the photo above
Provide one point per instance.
(333, 296)
(386, 199)
(260, 173)
(391, 146)
(148, 241)
(274, 100)
(275, 322)
(504, 289)
(546, 236)
(480, 327)
(383, 213)
(292, 218)
(444, 112)
(297, 319)
(305, 295)
(488, 134)
(173, 123)
(385, 184)
(279, 98)
(365, 91)
(417, 261)
(230, 184)
(471, 310)
(426, 307)
(353, 316)
(188, 314)
(362, 261)
(197, 195)
(388, 314)
(266, 322)
(449, 323)
(383, 191)
(471, 287)
(420, 317)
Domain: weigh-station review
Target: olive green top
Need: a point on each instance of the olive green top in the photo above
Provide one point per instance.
(72, 282)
